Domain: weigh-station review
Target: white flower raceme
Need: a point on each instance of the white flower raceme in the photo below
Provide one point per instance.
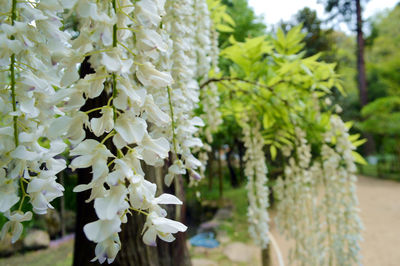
(183, 94)
(203, 38)
(340, 202)
(209, 94)
(31, 72)
(301, 222)
(136, 50)
(257, 190)
(133, 72)
(326, 225)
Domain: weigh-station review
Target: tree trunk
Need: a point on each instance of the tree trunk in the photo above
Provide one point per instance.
(241, 150)
(85, 213)
(234, 178)
(362, 80)
(266, 256)
(210, 168)
(221, 177)
(134, 251)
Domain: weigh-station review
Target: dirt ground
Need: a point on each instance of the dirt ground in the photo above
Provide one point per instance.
(380, 212)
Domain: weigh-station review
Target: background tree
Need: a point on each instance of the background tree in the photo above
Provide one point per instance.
(381, 114)
(316, 39)
(351, 12)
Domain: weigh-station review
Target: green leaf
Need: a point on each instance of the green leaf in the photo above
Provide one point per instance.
(267, 122)
(354, 137)
(228, 19)
(358, 158)
(359, 142)
(224, 28)
(349, 124)
(273, 151)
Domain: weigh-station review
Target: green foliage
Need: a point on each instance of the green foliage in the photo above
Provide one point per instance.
(382, 116)
(383, 56)
(272, 80)
(222, 21)
(247, 23)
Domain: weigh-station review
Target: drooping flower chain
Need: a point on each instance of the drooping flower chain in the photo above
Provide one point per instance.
(325, 224)
(209, 95)
(340, 202)
(32, 47)
(184, 93)
(257, 190)
(126, 64)
(298, 215)
(104, 36)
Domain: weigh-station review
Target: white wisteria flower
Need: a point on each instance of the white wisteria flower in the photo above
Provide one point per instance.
(91, 153)
(105, 123)
(14, 224)
(161, 227)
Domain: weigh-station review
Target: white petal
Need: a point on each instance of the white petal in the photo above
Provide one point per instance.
(16, 232)
(149, 237)
(169, 226)
(81, 162)
(167, 199)
(131, 129)
(100, 230)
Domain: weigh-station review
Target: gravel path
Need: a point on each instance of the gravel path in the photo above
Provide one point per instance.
(380, 212)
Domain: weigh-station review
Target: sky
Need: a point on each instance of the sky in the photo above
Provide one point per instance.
(276, 10)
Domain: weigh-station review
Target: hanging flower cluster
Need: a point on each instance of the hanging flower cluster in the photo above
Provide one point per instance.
(32, 47)
(325, 224)
(297, 212)
(183, 95)
(134, 61)
(209, 94)
(257, 190)
(340, 202)
(124, 44)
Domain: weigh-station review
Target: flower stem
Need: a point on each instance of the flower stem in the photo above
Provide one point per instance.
(171, 109)
(24, 195)
(109, 135)
(12, 74)
(139, 211)
(114, 77)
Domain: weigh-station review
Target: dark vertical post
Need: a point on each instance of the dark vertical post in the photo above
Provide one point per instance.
(362, 78)
(220, 173)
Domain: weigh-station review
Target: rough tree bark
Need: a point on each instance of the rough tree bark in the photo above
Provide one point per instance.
(133, 251)
(83, 248)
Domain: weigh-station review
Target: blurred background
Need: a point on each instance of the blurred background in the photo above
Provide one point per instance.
(365, 45)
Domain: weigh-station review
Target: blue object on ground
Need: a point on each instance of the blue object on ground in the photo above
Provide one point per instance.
(206, 240)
